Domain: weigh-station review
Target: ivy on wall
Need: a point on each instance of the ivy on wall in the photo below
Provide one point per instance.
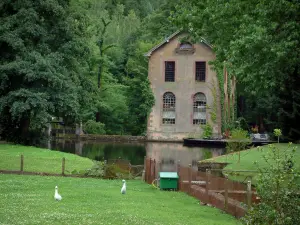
(226, 119)
(214, 106)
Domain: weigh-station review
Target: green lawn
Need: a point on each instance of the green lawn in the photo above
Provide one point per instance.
(248, 157)
(40, 160)
(29, 200)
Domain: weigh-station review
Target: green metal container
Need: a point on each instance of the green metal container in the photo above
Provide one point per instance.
(168, 180)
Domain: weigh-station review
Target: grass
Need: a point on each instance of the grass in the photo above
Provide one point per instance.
(248, 157)
(29, 200)
(40, 160)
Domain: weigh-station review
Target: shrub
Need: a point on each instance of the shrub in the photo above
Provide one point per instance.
(107, 171)
(239, 140)
(93, 127)
(207, 131)
(278, 189)
(242, 123)
(277, 133)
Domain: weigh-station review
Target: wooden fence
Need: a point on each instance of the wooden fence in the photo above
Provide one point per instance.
(231, 196)
(123, 164)
(22, 171)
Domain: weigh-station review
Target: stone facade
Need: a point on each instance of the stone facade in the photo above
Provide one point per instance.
(184, 88)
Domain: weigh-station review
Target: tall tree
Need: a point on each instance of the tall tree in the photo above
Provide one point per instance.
(259, 42)
(40, 62)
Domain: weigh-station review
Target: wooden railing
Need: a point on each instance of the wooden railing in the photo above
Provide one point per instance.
(231, 196)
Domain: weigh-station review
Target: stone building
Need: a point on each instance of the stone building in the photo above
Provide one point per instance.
(185, 87)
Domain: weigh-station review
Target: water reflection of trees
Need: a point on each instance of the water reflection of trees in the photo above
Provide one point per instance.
(134, 152)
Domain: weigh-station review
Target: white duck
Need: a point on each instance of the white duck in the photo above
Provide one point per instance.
(56, 195)
(123, 190)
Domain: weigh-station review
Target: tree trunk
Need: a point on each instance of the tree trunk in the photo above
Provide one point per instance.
(97, 116)
(25, 130)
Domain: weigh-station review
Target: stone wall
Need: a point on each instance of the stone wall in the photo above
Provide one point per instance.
(113, 138)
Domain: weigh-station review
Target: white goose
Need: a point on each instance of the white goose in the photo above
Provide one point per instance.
(56, 195)
(123, 190)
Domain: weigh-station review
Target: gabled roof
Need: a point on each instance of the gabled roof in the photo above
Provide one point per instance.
(202, 40)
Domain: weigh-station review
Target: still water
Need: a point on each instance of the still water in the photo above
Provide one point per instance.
(167, 153)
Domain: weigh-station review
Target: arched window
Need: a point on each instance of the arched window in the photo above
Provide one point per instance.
(199, 109)
(169, 114)
(186, 45)
(185, 48)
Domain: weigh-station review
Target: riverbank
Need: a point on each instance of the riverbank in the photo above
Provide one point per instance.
(246, 167)
(40, 160)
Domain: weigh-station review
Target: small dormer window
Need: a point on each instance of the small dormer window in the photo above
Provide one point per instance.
(185, 48)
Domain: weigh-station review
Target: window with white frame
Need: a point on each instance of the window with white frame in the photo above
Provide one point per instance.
(199, 108)
(169, 112)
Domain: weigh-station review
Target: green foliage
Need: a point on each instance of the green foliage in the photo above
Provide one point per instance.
(140, 96)
(97, 170)
(238, 141)
(258, 43)
(214, 106)
(125, 98)
(242, 123)
(207, 154)
(42, 54)
(107, 171)
(93, 127)
(278, 189)
(277, 133)
(207, 131)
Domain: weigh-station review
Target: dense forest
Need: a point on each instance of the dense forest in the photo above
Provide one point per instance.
(83, 60)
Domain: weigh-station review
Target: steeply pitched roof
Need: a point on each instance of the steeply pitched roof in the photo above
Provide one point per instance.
(202, 40)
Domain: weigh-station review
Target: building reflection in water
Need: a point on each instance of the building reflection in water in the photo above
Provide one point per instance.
(166, 152)
(170, 153)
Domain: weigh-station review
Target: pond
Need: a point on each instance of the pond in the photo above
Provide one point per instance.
(167, 153)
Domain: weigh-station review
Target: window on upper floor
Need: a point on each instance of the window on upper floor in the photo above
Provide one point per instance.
(185, 48)
(199, 108)
(169, 71)
(200, 71)
(169, 112)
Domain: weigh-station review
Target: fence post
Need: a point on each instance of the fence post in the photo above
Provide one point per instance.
(154, 170)
(178, 172)
(63, 166)
(207, 184)
(22, 163)
(249, 194)
(145, 168)
(226, 193)
(159, 168)
(178, 166)
(190, 178)
(150, 171)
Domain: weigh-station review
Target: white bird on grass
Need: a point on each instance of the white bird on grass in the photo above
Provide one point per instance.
(56, 195)
(123, 190)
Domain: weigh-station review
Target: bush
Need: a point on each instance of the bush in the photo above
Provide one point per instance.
(239, 141)
(107, 171)
(242, 123)
(207, 131)
(93, 127)
(278, 189)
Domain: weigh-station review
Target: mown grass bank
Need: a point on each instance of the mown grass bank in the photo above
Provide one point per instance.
(29, 200)
(40, 160)
(247, 159)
